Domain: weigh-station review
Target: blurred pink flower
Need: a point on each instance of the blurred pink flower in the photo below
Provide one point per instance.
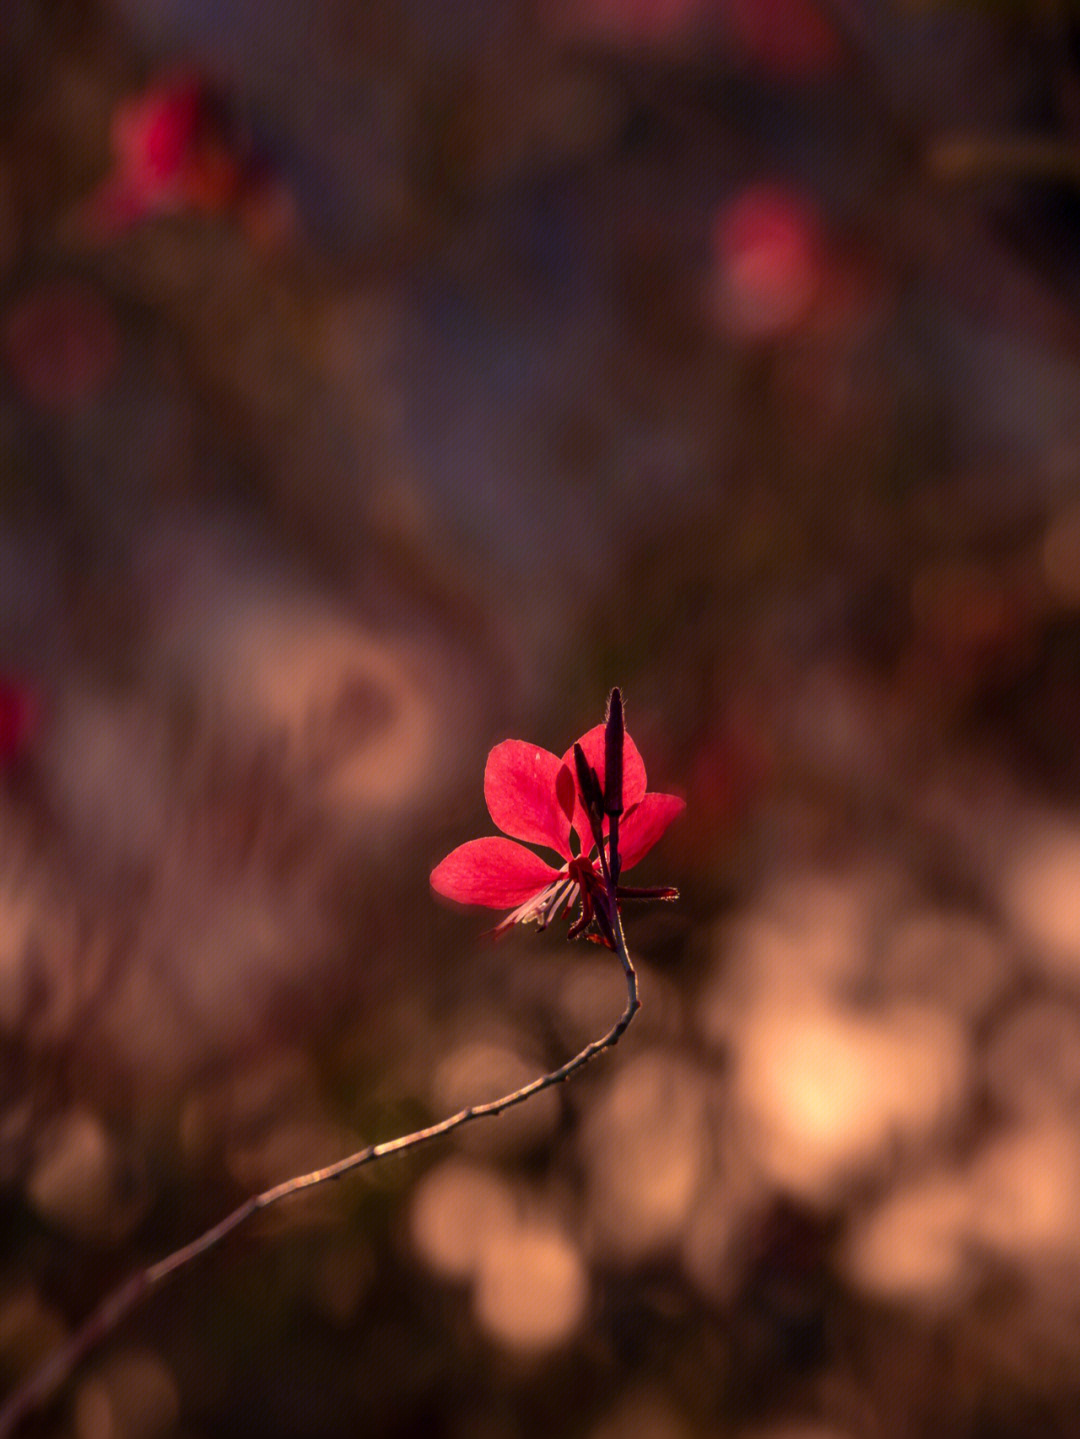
(169, 154)
(533, 795)
(769, 262)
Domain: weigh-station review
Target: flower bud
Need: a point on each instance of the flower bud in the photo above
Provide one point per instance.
(613, 754)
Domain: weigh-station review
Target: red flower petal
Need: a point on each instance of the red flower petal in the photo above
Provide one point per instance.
(592, 744)
(566, 792)
(521, 789)
(494, 872)
(642, 826)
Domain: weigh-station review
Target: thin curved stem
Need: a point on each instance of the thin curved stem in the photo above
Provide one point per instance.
(47, 1378)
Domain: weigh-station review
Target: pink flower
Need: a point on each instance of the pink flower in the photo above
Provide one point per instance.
(769, 254)
(533, 795)
(170, 154)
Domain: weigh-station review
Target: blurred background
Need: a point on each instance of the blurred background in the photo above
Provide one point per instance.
(379, 381)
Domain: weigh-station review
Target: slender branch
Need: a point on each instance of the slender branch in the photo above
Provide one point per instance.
(41, 1384)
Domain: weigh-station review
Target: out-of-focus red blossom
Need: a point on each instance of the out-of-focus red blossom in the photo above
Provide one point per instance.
(154, 134)
(169, 155)
(20, 716)
(61, 344)
(784, 39)
(533, 795)
(769, 263)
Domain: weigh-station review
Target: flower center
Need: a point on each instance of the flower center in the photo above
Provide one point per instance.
(583, 872)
